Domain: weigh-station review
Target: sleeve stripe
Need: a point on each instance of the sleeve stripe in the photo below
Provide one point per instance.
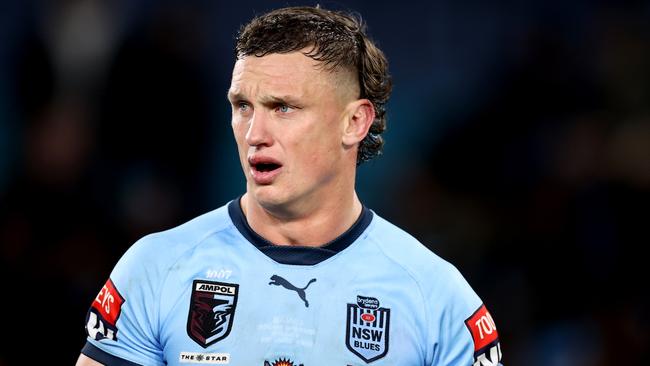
(107, 359)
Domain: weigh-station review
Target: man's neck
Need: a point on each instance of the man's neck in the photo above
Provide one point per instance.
(314, 227)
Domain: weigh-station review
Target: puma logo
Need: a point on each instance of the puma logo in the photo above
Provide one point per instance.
(279, 281)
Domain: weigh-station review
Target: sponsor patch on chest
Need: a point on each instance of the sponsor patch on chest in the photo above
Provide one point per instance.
(204, 358)
(212, 310)
(367, 330)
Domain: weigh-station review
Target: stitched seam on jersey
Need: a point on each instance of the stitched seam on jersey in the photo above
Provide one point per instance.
(168, 271)
(417, 283)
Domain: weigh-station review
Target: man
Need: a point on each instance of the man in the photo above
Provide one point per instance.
(296, 271)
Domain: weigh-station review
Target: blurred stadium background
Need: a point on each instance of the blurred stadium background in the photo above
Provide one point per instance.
(518, 149)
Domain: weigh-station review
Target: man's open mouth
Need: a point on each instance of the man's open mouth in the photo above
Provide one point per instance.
(265, 167)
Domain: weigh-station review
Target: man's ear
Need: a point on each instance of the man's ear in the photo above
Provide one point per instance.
(361, 114)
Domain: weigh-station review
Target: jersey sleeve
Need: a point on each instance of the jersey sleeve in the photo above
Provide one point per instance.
(465, 332)
(122, 322)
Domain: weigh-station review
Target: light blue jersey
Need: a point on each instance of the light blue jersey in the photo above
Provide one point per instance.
(212, 291)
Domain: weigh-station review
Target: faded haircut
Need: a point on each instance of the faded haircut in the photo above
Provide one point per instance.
(339, 41)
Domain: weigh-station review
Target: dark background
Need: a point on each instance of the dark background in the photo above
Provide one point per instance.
(518, 149)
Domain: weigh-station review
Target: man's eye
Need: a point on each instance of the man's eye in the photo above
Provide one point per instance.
(243, 107)
(284, 108)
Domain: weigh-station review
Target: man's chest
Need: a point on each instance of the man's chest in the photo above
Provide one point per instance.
(283, 316)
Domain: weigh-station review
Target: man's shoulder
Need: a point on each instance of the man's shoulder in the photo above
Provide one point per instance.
(407, 252)
(156, 247)
(438, 280)
(401, 246)
(197, 228)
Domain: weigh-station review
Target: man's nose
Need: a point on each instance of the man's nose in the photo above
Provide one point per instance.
(258, 130)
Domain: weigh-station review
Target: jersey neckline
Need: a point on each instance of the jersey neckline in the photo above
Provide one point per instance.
(298, 255)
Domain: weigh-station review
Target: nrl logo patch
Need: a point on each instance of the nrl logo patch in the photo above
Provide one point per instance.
(281, 362)
(367, 329)
(212, 309)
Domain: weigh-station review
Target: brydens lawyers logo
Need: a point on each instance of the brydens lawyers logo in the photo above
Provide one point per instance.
(367, 329)
(212, 309)
(103, 314)
(487, 350)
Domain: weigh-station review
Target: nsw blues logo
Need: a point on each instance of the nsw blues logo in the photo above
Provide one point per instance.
(212, 309)
(367, 329)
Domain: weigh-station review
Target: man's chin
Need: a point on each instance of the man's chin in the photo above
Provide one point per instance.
(267, 195)
(273, 200)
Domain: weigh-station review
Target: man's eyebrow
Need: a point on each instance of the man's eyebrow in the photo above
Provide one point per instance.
(284, 99)
(267, 99)
(234, 96)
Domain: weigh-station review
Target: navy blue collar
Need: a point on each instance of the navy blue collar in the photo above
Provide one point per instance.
(301, 255)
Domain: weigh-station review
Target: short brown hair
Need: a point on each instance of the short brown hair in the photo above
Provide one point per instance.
(339, 40)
